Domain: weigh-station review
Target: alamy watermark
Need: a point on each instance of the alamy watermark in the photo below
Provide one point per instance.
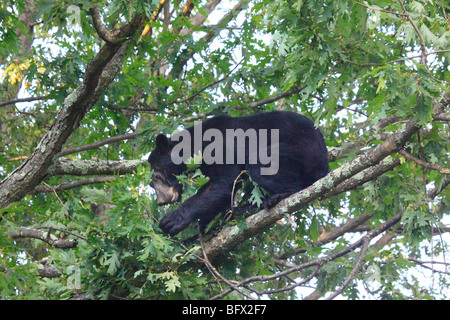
(74, 277)
(74, 17)
(236, 146)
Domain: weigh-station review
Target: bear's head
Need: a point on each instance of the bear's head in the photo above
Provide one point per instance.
(164, 181)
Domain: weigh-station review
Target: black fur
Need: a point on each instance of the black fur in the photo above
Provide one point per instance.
(303, 159)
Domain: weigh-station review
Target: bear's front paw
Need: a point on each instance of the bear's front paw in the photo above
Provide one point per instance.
(174, 222)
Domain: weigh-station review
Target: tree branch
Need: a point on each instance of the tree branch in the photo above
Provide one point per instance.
(328, 236)
(214, 31)
(381, 10)
(97, 144)
(442, 117)
(43, 236)
(215, 273)
(100, 72)
(231, 236)
(424, 164)
(423, 58)
(423, 264)
(355, 270)
(72, 184)
(198, 19)
(104, 33)
(115, 36)
(76, 167)
(148, 29)
(89, 146)
(253, 104)
(369, 174)
(396, 60)
(363, 241)
(13, 101)
(47, 271)
(128, 108)
(208, 86)
(274, 98)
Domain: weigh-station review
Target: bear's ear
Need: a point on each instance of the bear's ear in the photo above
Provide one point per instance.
(162, 143)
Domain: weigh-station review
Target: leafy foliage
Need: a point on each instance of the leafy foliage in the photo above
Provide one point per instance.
(360, 70)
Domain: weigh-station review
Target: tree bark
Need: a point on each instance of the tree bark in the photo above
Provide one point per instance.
(100, 72)
(75, 167)
(230, 237)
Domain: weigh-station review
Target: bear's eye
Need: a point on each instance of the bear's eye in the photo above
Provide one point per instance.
(157, 176)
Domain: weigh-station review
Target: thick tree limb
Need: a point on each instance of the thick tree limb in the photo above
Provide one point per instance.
(115, 36)
(46, 270)
(104, 33)
(76, 167)
(43, 236)
(363, 241)
(230, 237)
(369, 174)
(100, 72)
(442, 117)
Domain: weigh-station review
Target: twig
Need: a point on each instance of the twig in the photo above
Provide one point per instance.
(208, 86)
(423, 58)
(100, 143)
(290, 287)
(443, 10)
(90, 146)
(423, 163)
(136, 109)
(151, 215)
(275, 97)
(253, 104)
(72, 184)
(364, 241)
(379, 9)
(175, 72)
(63, 231)
(396, 60)
(201, 115)
(18, 158)
(214, 271)
(234, 186)
(60, 201)
(422, 264)
(12, 101)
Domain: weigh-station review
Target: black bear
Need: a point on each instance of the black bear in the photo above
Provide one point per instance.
(282, 152)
